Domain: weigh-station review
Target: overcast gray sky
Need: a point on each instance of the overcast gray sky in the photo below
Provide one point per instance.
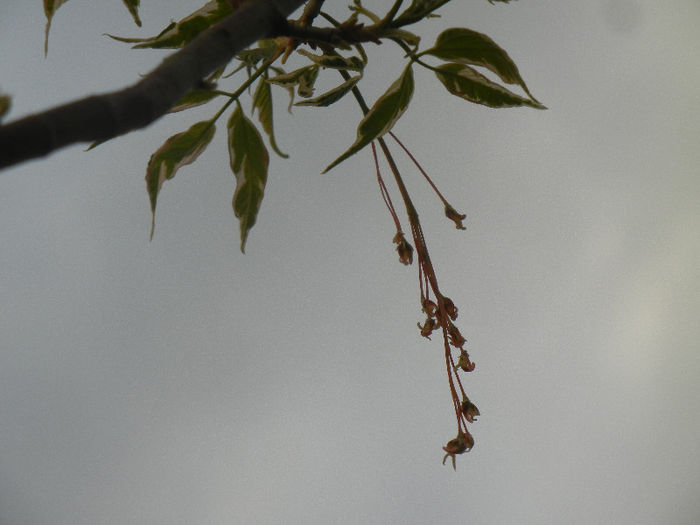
(178, 381)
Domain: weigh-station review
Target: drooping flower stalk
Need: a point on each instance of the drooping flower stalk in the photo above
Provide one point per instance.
(440, 313)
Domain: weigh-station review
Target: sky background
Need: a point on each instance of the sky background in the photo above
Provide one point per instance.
(179, 381)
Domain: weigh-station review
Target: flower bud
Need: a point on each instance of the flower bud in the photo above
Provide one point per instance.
(456, 338)
(404, 248)
(469, 409)
(450, 307)
(464, 362)
(429, 325)
(462, 443)
(455, 216)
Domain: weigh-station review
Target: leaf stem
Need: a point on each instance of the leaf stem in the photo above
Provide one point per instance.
(252, 78)
(389, 17)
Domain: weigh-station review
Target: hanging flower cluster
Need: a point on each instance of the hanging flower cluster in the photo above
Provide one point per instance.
(440, 311)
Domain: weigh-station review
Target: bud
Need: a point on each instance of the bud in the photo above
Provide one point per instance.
(450, 307)
(456, 338)
(455, 216)
(464, 362)
(404, 248)
(429, 325)
(462, 443)
(469, 409)
(429, 307)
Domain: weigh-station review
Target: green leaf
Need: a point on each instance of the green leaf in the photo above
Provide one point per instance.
(50, 7)
(303, 79)
(5, 103)
(262, 101)
(252, 56)
(465, 46)
(177, 34)
(418, 10)
(411, 39)
(249, 161)
(333, 95)
(289, 89)
(306, 81)
(351, 63)
(133, 7)
(194, 98)
(467, 83)
(358, 8)
(382, 115)
(179, 150)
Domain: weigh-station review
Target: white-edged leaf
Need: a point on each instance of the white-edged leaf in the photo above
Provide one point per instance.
(305, 87)
(249, 161)
(262, 101)
(177, 151)
(409, 38)
(464, 46)
(194, 98)
(467, 83)
(418, 10)
(351, 63)
(289, 89)
(382, 115)
(332, 95)
(303, 79)
(177, 34)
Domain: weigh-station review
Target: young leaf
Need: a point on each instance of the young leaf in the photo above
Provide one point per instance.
(418, 10)
(133, 7)
(251, 56)
(465, 46)
(351, 63)
(50, 7)
(303, 79)
(5, 104)
(177, 151)
(333, 95)
(249, 161)
(382, 115)
(289, 89)
(410, 39)
(177, 34)
(305, 87)
(358, 8)
(194, 98)
(469, 84)
(262, 101)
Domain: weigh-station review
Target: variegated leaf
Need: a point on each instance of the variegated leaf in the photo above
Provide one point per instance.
(179, 150)
(249, 161)
(467, 83)
(382, 115)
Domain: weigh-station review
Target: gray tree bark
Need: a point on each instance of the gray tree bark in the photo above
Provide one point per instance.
(101, 117)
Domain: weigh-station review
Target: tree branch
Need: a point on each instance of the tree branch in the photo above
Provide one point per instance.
(101, 117)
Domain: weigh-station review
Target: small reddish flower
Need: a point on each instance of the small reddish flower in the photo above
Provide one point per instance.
(450, 307)
(456, 338)
(459, 445)
(469, 409)
(464, 362)
(429, 325)
(455, 216)
(430, 308)
(404, 248)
